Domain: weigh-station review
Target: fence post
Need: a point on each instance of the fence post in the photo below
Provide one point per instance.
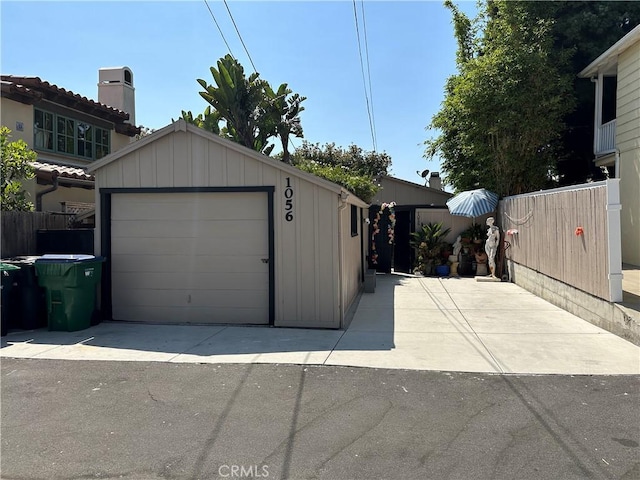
(614, 233)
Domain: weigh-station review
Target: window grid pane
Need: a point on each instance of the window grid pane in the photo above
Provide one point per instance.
(66, 131)
(102, 143)
(43, 130)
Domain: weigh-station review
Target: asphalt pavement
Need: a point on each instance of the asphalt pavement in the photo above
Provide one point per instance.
(434, 379)
(152, 420)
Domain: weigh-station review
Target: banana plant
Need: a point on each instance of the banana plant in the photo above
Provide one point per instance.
(240, 102)
(284, 111)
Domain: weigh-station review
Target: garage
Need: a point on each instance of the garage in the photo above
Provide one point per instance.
(168, 265)
(197, 229)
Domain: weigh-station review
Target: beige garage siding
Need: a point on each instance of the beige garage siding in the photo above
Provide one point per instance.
(190, 257)
(309, 262)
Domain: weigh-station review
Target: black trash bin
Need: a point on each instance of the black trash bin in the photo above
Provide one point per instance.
(29, 303)
(7, 316)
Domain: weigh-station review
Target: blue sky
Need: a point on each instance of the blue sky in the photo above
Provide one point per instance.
(312, 46)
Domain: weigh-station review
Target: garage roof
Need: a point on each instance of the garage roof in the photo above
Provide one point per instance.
(181, 125)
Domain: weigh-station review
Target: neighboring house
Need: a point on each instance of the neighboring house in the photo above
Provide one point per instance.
(68, 132)
(411, 199)
(616, 75)
(199, 229)
(404, 192)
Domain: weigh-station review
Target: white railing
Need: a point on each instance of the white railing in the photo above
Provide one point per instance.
(606, 141)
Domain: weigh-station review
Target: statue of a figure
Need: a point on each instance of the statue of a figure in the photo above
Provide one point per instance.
(491, 245)
(457, 246)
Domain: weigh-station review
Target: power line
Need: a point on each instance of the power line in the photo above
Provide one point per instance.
(240, 36)
(241, 40)
(219, 29)
(366, 49)
(364, 81)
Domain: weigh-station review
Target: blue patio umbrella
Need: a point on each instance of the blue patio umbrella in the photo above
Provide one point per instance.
(473, 203)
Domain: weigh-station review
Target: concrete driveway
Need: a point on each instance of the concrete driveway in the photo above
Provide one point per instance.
(449, 324)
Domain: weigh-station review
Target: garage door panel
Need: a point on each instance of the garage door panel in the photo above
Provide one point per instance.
(187, 298)
(222, 265)
(192, 281)
(202, 315)
(189, 229)
(190, 257)
(219, 206)
(193, 246)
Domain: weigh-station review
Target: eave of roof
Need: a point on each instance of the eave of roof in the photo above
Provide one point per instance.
(19, 92)
(61, 171)
(417, 185)
(610, 55)
(31, 89)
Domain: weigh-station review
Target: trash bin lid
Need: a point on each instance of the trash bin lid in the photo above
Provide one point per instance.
(66, 258)
(26, 260)
(4, 267)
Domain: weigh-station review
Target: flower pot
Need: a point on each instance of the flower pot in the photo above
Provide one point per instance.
(454, 269)
(443, 270)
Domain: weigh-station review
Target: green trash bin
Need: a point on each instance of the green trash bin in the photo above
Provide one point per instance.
(8, 273)
(70, 285)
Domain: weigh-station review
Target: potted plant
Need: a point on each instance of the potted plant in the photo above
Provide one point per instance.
(444, 268)
(428, 242)
(475, 232)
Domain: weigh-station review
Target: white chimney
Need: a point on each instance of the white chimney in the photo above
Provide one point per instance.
(435, 181)
(115, 88)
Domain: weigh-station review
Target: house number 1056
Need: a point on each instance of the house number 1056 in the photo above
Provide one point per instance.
(288, 201)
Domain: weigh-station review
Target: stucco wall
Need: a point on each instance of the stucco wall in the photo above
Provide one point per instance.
(119, 141)
(12, 112)
(456, 223)
(307, 288)
(628, 142)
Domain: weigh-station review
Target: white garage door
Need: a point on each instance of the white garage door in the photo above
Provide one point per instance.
(190, 257)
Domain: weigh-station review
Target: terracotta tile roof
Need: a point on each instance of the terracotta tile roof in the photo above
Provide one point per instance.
(50, 90)
(62, 171)
(20, 90)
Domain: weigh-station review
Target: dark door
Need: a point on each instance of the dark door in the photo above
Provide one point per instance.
(402, 250)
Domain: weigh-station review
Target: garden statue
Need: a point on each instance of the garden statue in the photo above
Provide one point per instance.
(491, 245)
(457, 247)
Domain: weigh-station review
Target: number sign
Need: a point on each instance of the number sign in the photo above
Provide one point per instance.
(288, 201)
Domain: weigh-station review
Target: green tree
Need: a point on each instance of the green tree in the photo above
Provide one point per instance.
(502, 114)
(253, 113)
(285, 112)
(361, 186)
(16, 167)
(353, 158)
(353, 168)
(586, 29)
(208, 120)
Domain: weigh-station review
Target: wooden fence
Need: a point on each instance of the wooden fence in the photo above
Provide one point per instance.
(567, 234)
(19, 231)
